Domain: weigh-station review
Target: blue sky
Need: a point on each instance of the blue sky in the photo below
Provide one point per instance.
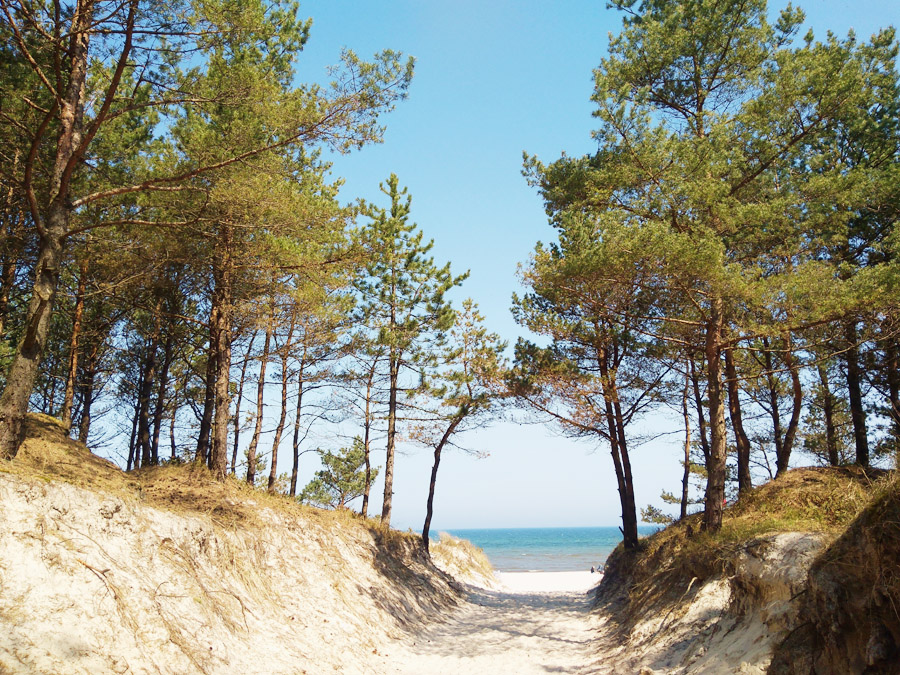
(494, 79)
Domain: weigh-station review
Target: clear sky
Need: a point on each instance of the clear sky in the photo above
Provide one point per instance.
(495, 78)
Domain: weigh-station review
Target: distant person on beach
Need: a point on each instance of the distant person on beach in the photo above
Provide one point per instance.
(592, 569)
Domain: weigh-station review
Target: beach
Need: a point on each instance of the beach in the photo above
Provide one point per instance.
(548, 582)
(533, 623)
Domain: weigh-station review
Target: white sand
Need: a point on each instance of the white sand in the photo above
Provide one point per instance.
(538, 622)
(548, 582)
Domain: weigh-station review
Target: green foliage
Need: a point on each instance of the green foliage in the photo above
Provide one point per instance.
(190, 139)
(402, 291)
(469, 380)
(741, 188)
(341, 480)
(652, 514)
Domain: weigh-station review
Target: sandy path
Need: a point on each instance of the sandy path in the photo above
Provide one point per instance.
(507, 631)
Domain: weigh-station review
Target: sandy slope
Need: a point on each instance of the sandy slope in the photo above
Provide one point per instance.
(167, 571)
(531, 626)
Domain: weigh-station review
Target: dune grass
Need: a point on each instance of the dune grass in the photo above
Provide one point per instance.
(461, 559)
(821, 500)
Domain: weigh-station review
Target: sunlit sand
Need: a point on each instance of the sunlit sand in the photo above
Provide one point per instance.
(548, 582)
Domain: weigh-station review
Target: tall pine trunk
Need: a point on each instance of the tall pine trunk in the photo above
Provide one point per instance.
(168, 349)
(619, 451)
(295, 442)
(52, 226)
(394, 365)
(367, 439)
(144, 431)
(783, 439)
(88, 379)
(892, 363)
(222, 300)
(13, 235)
(24, 369)
(209, 395)
(828, 405)
(701, 418)
(714, 503)
(237, 403)
(797, 404)
(279, 428)
(686, 475)
(218, 458)
(429, 504)
(260, 390)
(737, 422)
(134, 457)
(71, 375)
(772, 391)
(854, 387)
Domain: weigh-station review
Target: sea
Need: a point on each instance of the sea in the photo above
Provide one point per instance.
(547, 549)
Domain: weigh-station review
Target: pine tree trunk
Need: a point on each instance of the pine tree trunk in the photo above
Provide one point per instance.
(279, 428)
(715, 484)
(774, 406)
(892, 359)
(53, 226)
(828, 403)
(209, 396)
(685, 478)
(218, 462)
(260, 390)
(222, 295)
(13, 233)
(172, 447)
(295, 444)
(168, 349)
(69, 396)
(134, 456)
(783, 460)
(7, 277)
(367, 441)
(237, 403)
(391, 439)
(429, 505)
(854, 387)
(88, 378)
(24, 369)
(619, 451)
(701, 418)
(144, 396)
(737, 423)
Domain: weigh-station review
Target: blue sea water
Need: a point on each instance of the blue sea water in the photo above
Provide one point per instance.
(547, 549)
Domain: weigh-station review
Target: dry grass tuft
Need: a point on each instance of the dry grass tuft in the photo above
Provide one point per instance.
(49, 454)
(813, 499)
(461, 559)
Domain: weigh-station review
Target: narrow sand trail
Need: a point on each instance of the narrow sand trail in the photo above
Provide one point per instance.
(505, 631)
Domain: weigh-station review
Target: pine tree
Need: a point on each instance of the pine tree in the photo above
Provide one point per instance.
(465, 387)
(402, 302)
(90, 58)
(709, 124)
(340, 481)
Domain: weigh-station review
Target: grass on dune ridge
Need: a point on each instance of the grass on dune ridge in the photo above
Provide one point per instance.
(823, 500)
